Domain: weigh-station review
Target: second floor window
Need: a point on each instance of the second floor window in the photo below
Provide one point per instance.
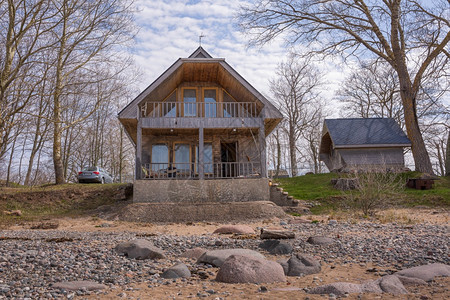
(190, 102)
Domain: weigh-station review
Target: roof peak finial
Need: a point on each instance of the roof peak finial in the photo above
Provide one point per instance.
(200, 39)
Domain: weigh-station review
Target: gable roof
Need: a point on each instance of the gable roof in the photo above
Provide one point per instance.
(200, 66)
(365, 132)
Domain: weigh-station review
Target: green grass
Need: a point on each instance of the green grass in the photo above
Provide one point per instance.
(318, 188)
(310, 187)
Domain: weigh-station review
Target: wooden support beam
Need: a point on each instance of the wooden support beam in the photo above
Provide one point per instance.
(262, 148)
(139, 148)
(201, 169)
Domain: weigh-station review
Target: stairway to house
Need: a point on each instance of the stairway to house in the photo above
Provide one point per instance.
(286, 202)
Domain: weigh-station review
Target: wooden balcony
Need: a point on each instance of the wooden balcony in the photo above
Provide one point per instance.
(211, 170)
(199, 110)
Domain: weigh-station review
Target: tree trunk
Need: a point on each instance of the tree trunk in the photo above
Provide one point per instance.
(421, 158)
(293, 154)
(447, 156)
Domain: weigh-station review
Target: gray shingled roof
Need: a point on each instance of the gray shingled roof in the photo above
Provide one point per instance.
(370, 131)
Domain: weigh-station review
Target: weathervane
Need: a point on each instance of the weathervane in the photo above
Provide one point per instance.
(200, 38)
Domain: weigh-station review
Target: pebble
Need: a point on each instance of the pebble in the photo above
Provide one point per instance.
(90, 255)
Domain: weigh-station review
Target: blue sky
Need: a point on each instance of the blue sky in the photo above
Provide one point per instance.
(170, 29)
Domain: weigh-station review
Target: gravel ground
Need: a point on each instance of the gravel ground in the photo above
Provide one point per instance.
(32, 260)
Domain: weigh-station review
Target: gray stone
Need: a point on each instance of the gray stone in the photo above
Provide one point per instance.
(245, 269)
(139, 249)
(177, 271)
(426, 272)
(337, 288)
(267, 234)
(391, 284)
(194, 253)
(237, 229)
(320, 240)
(217, 257)
(79, 285)
(276, 247)
(300, 265)
(411, 280)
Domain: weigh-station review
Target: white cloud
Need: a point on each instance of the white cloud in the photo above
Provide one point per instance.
(170, 29)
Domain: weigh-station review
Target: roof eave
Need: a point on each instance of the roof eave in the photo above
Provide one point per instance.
(372, 146)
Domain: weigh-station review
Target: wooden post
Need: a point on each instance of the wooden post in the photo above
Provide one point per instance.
(262, 151)
(139, 146)
(201, 169)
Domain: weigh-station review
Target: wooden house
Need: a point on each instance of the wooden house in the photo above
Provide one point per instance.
(199, 120)
(362, 144)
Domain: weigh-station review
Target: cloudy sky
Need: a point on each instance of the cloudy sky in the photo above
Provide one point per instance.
(170, 29)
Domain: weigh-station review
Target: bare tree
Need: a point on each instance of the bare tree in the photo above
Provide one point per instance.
(88, 33)
(372, 91)
(410, 35)
(295, 90)
(22, 24)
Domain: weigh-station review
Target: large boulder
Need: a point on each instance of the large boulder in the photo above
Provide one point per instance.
(426, 272)
(269, 233)
(300, 265)
(237, 229)
(79, 285)
(245, 269)
(217, 257)
(177, 271)
(391, 284)
(139, 249)
(386, 284)
(276, 247)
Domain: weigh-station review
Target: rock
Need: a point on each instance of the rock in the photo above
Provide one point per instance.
(139, 249)
(386, 284)
(245, 269)
(217, 257)
(337, 288)
(79, 285)
(426, 272)
(267, 234)
(300, 265)
(194, 253)
(320, 240)
(237, 229)
(177, 271)
(391, 284)
(345, 184)
(276, 247)
(411, 280)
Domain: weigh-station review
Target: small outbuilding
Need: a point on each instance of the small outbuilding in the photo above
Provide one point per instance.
(362, 144)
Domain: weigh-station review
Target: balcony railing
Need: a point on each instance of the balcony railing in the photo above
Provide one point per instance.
(211, 170)
(199, 110)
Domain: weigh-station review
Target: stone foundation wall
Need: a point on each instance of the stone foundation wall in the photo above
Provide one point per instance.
(201, 191)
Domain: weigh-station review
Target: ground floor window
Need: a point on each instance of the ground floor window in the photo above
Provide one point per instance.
(159, 157)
